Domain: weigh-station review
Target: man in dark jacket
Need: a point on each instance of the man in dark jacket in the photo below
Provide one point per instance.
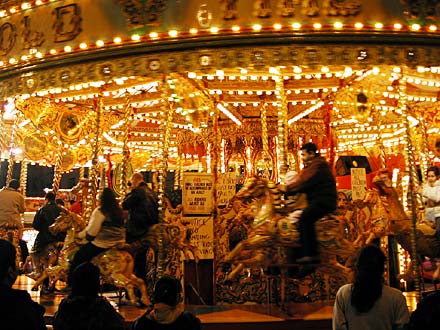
(318, 183)
(45, 217)
(143, 212)
(17, 310)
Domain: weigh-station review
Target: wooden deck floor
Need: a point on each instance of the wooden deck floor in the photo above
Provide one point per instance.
(224, 317)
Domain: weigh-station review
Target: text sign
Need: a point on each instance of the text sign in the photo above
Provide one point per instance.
(202, 235)
(225, 188)
(197, 193)
(358, 183)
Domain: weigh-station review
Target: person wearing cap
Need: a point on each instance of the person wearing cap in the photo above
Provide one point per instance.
(316, 180)
(11, 209)
(168, 311)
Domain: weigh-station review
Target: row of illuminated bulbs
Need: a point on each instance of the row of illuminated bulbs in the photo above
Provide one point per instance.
(347, 72)
(213, 30)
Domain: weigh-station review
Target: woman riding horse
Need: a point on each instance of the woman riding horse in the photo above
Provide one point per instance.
(104, 230)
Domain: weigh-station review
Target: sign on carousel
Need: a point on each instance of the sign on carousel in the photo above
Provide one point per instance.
(197, 193)
(202, 235)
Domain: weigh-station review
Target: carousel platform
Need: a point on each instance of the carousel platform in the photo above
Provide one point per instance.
(225, 317)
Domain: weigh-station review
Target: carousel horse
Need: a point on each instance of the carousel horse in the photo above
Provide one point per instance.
(274, 226)
(115, 265)
(47, 258)
(388, 217)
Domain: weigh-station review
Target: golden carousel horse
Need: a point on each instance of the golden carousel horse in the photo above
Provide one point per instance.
(274, 226)
(115, 265)
(388, 217)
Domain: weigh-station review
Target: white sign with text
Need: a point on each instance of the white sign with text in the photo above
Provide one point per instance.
(225, 187)
(358, 183)
(197, 193)
(202, 235)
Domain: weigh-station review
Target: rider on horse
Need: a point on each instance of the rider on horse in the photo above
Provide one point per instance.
(318, 183)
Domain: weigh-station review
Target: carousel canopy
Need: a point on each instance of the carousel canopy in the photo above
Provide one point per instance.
(341, 73)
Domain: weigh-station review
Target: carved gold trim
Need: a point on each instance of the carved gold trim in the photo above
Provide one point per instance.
(154, 65)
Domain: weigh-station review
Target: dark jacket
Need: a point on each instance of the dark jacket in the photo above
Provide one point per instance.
(186, 321)
(143, 212)
(318, 183)
(87, 313)
(45, 217)
(18, 311)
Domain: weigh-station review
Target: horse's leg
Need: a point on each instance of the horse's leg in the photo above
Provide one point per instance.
(140, 285)
(138, 282)
(122, 281)
(235, 252)
(237, 270)
(40, 280)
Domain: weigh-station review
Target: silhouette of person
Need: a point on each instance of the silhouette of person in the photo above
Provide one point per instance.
(168, 311)
(427, 314)
(17, 309)
(84, 308)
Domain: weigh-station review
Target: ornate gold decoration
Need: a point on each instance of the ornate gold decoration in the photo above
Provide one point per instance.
(343, 7)
(190, 61)
(262, 8)
(35, 146)
(83, 154)
(68, 160)
(229, 8)
(421, 10)
(142, 13)
(68, 127)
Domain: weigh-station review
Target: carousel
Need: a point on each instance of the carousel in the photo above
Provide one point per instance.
(210, 100)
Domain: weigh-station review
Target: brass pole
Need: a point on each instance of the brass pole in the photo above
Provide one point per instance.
(265, 141)
(412, 171)
(94, 170)
(166, 126)
(57, 172)
(24, 176)
(125, 150)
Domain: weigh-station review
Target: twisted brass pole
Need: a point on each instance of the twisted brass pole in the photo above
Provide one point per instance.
(282, 120)
(412, 171)
(11, 150)
(424, 150)
(94, 170)
(24, 176)
(57, 172)
(125, 149)
(166, 126)
(265, 141)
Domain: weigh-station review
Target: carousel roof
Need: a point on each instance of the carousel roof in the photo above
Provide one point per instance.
(335, 64)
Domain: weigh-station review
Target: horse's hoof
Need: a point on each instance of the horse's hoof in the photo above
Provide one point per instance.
(140, 304)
